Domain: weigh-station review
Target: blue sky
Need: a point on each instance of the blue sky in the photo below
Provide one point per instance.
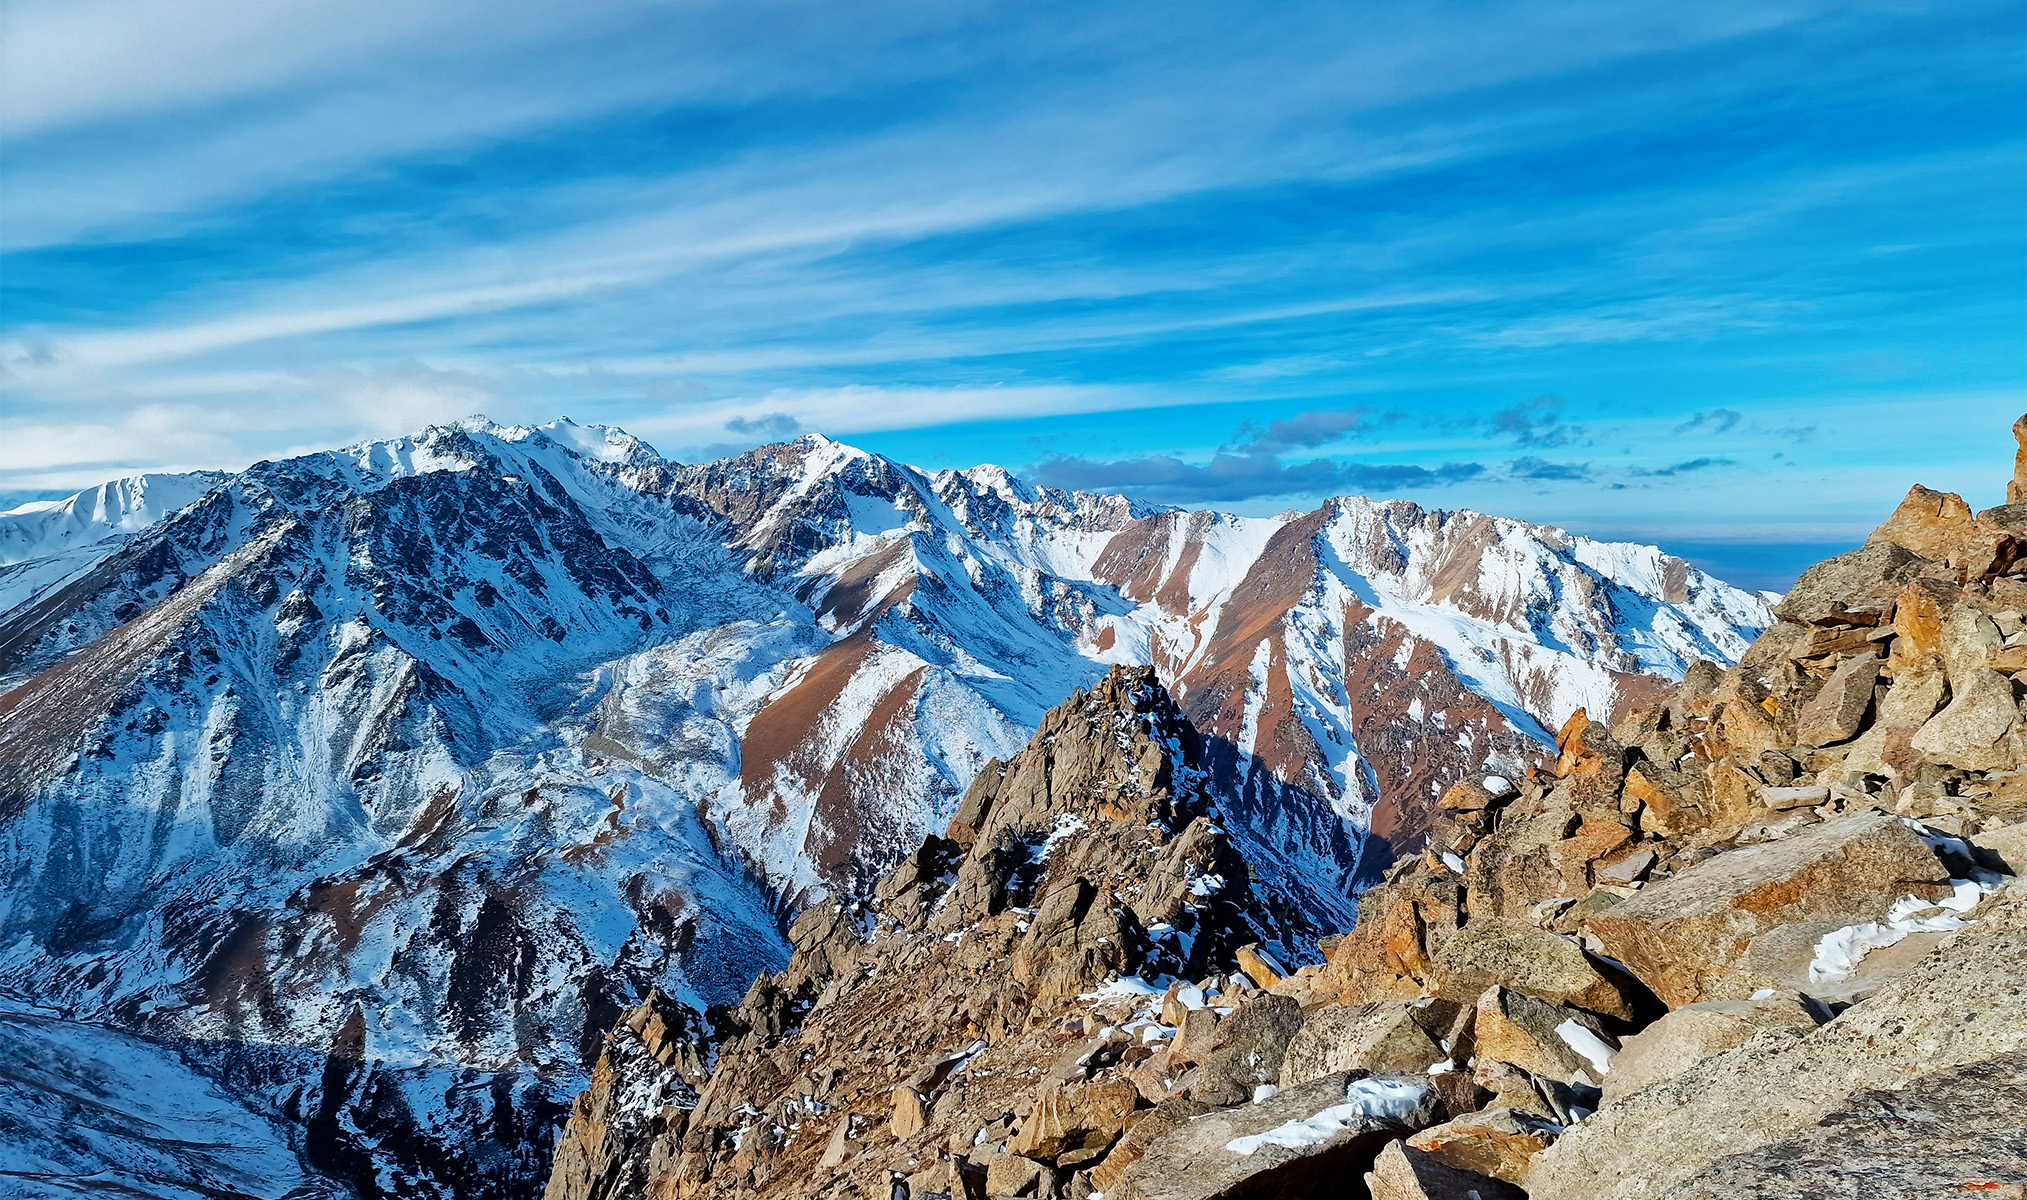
(1724, 276)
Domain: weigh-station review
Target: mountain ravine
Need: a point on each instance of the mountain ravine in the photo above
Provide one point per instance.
(363, 792)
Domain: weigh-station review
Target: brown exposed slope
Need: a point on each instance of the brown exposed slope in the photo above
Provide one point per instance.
(46, 716)
(803, 743)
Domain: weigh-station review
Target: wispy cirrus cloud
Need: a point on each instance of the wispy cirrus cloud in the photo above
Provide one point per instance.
(944, 228)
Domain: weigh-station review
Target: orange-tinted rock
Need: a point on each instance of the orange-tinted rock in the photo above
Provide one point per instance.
(1254, 962)
(1402, 1172)
(1498, 1142)
(1930, 523)
(1063, 1118)
(1685, 937)
(2016, 488)
(910, 1115)
(1673, 798)
(1534, 1035)
(1918, 614)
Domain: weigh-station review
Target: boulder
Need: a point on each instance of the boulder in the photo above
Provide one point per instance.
(2004, 848)
(1916, 694)
(1974, 732)
(1510, 1088)
(1258, 967)
(1971, 1141)
(1246, 1049)
(1152, 1125)
(1527, 958)
(1673, 801)
(1694, 1032)
(1518, 865)
(1542, 1038)
(1684, 937)
(1623, 871)
(1082, 1116)
(1852, 589)
(1836, 712)
(1967, 641)
(1314, 1136)
(910, 1115)
(1386, 1036)
(1499, 1142)
(1781, 799)
(1750, 727)
(1013, 1175)
(1402, 1172)
(839, 1145)
(1179, 1001)
(1955, 1022)
(1477, 794)
(1940, 527)
(1932, 524)
(1195, 1035)
(1918, 613)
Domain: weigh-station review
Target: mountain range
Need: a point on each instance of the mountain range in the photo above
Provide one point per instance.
(370, 786)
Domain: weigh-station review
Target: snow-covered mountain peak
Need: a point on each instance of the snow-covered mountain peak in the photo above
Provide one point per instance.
(443, 747)
(121, 506)
(600, 443)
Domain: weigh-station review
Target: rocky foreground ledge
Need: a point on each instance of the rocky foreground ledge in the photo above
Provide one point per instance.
(1762, 940)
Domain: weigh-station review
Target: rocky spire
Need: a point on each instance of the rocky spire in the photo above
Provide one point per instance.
(2016, 488)
(913, 1021)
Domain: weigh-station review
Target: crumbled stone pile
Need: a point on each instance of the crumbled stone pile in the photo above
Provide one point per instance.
(1761, 939)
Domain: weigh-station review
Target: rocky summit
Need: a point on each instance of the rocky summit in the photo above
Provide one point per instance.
(1764, 936)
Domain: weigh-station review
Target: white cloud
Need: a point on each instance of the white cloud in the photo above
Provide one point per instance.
(51, 455)
(853, 409)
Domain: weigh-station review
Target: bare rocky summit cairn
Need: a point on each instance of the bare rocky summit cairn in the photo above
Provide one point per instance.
(1764, 938)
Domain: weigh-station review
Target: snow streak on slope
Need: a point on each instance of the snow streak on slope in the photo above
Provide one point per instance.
(86, 1110)
(439, 750)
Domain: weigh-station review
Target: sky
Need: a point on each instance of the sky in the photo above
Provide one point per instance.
(1727, 277)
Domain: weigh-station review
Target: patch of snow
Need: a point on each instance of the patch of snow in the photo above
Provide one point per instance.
(1839, 952)
(1124, 987)
(1365, 1098)
(1588, 1044)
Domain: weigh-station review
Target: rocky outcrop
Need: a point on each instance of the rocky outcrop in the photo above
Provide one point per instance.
(980, 1020)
